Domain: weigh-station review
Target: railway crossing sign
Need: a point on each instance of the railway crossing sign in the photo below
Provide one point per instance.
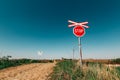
(79, 31)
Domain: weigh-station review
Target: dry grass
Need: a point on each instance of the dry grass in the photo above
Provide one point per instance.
(70, 70)
(99, 71)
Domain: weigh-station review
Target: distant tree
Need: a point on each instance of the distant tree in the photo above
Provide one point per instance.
(9, 56)
(6, 57)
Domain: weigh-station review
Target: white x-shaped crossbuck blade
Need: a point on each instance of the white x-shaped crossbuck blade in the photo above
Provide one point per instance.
(77, 24)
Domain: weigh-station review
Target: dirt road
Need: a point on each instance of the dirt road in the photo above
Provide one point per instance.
(36, 71)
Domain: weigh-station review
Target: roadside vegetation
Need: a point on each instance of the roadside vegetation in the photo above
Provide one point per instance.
(6, 61)
(115, 61)
(70, 70)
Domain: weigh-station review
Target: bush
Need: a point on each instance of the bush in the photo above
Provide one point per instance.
(116, 61)
(6, 62)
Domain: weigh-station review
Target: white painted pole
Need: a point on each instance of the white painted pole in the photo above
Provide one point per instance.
(80, 50)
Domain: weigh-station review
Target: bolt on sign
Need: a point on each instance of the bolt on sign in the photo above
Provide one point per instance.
(79, 31)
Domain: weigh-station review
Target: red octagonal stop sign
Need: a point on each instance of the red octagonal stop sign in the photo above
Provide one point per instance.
(78, 31)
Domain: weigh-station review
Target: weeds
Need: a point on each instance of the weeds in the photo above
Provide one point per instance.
(69, 70)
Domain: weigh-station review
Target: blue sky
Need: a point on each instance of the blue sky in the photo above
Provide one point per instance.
(27, 26)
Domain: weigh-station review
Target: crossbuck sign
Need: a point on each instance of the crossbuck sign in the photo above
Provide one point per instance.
(79, 31)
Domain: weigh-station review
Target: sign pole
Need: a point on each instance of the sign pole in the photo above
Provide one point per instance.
(73, 53)
(79, 31)
(80, 50)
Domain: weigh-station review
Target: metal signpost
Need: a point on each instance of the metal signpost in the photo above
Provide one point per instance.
(73, 53)
(78, 31)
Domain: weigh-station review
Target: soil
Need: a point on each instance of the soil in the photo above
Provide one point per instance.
(35, 71)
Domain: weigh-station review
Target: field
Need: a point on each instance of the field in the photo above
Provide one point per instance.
(65, 69)
(25, 69)
(34, 71)
(70, 70)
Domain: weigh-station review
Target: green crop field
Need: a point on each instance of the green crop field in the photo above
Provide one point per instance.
(70, 70)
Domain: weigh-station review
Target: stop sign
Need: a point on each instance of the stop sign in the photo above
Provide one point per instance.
(78, 31)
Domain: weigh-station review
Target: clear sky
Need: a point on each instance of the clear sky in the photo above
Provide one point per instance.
(27, 26)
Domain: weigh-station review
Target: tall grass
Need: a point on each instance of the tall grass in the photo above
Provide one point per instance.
(70, 70)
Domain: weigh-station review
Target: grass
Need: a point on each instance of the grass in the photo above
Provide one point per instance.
(70, 70)
(118, 70)
(5, 62)
(63, 70)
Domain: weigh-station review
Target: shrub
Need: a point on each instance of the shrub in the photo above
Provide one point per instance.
(116, 61)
